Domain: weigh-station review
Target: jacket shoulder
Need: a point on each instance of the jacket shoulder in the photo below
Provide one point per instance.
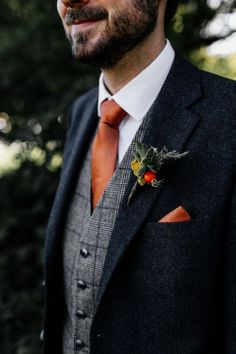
(218, 101)
(217, 108)
(81, 102)
(77, 108)
(221, 90)
(76, 117)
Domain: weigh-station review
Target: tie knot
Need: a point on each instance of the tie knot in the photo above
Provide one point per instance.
(112, 113)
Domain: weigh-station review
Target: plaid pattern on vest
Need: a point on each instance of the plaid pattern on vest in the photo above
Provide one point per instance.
(86, 240)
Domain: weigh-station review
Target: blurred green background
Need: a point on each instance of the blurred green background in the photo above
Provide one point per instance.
(38, 81)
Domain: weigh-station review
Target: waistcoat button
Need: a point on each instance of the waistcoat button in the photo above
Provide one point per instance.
(79, 344)
(81, 284)
(81, 314)
(84, 252)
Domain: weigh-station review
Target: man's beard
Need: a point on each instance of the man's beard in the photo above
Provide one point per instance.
(125, 30)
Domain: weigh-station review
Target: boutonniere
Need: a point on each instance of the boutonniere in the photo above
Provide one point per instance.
(147, 163)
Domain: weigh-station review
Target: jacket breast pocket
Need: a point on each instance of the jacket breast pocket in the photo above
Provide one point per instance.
(179, 245)
(194, 228)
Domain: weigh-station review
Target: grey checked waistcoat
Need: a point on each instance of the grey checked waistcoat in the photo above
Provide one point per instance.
(86, 239)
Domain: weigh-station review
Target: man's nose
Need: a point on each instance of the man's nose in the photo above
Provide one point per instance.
(74, 3)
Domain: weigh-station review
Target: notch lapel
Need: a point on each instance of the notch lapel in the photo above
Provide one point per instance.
(171, 123)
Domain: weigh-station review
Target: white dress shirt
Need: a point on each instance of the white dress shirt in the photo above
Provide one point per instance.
(137, 96)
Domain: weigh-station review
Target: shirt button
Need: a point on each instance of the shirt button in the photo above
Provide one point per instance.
(81, 284)
(84, 252)
(79, 344)
(81, 314)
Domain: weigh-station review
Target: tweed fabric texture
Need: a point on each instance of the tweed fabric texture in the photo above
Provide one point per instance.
(92, 232)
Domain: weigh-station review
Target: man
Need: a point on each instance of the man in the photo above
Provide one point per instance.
(140, 254)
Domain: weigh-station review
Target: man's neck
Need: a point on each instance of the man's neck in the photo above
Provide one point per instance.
(133, 63)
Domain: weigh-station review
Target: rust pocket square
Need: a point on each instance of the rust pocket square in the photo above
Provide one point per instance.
(177, 215)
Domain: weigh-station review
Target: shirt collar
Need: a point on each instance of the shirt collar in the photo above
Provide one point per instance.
(137, 96)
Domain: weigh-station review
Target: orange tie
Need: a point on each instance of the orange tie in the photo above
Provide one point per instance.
(105, 147)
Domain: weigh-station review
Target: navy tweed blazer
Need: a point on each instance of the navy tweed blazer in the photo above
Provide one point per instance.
(167, 288)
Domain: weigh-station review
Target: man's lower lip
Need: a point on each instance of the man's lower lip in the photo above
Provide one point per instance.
(84, 24)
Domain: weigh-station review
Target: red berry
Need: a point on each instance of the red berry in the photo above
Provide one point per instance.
(149, 176)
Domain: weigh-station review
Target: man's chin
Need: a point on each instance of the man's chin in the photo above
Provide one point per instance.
(86, 58)
(93, 58)
(100, 53)
(82, 55)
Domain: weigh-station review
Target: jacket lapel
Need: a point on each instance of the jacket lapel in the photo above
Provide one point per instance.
(171, 122)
